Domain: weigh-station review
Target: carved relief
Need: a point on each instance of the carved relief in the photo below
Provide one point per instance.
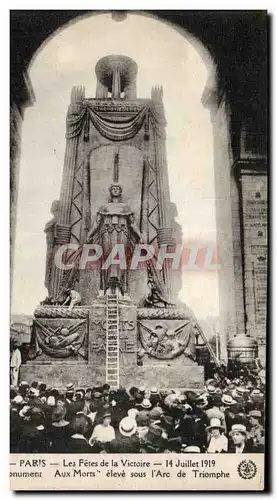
(60, 340)
(167, 340)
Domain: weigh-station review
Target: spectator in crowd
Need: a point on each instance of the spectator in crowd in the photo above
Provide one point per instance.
(216, 439)
(103, 432)
(58, 431)
(239, 443)
(77, 443)
(226, 416)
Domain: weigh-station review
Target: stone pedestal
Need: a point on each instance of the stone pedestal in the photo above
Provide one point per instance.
(167, 366)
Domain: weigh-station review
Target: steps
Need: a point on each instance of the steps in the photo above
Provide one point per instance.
(112, 341)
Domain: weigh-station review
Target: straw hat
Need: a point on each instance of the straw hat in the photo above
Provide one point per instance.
(190, 449)
(255, 414)
(238, 428)
(24, 383)
(211, 389)
(146, 404)
(18, 399)
(227, 400)
(127, 426)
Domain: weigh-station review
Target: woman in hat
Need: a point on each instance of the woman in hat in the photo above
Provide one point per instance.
(142, 420)
(59, 430)
(103, 432)
(239, 442)
(216, 439)
(34, 438)
(77, 443)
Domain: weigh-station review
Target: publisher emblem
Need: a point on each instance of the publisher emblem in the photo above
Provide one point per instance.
(247, 469)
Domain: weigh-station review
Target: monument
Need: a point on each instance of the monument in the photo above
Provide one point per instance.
(113, 324)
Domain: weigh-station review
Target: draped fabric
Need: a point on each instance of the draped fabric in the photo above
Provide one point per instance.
(118, 130)
(114, 128)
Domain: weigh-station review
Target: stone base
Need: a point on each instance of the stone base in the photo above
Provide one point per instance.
(160, 375)
(90, 370)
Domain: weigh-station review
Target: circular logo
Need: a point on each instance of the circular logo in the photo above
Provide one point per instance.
(247, 469)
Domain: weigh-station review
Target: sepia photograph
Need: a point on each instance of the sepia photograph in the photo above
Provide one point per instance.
(138, 249)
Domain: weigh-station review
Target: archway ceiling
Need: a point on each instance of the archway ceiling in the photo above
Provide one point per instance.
(237, 40)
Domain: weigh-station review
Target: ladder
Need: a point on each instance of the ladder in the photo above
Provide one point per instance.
(112, 341)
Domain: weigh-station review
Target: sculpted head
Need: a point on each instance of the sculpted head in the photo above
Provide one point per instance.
(115, 190)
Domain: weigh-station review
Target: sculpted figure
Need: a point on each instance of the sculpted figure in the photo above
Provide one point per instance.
(114, 224)
(163, 342)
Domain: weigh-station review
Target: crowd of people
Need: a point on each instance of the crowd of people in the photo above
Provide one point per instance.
(226, 417)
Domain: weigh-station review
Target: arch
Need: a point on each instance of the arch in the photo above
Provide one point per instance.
(218, 116)
(210, 91)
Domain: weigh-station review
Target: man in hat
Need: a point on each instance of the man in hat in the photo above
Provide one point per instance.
(256, 431)
(126, 440)
(155, 415)
(153, 442)
(143, 405)
(154, 397)
(239, 442)
(33, 437)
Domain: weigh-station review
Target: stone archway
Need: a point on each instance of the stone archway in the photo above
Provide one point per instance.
(223, 109)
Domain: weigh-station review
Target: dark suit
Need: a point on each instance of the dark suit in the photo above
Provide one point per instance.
(78, 445)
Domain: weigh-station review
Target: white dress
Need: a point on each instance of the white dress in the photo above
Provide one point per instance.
(218, 444)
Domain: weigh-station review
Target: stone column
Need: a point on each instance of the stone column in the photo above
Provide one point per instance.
(116, 85)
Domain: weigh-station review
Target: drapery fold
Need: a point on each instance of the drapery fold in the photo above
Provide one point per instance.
(114, 128)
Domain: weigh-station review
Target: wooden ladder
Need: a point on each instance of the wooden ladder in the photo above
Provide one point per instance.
(112, 341)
